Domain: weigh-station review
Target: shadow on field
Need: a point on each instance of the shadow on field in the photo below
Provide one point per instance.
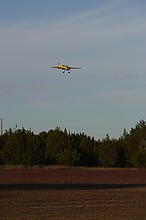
(68, 186)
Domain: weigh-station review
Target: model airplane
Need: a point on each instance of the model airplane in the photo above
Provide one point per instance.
(65, 67)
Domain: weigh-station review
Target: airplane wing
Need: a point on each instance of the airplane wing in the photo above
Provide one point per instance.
(54, 67)
(77, 68)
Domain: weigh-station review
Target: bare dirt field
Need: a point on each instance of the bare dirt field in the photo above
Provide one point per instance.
(69, 194)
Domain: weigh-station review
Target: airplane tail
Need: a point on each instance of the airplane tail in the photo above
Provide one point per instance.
(59, 65)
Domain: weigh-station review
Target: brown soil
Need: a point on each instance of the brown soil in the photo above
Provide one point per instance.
(72, 176)
(73, 194)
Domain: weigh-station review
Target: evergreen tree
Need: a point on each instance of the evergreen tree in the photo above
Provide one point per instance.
(108, 152)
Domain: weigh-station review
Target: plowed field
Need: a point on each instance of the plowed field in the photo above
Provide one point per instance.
(73, 194)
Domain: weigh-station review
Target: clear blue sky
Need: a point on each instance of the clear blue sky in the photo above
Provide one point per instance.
(107, 38)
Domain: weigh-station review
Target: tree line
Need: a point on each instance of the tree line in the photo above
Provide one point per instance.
(57, 147)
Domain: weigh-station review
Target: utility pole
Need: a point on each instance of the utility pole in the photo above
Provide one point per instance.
(1, 126)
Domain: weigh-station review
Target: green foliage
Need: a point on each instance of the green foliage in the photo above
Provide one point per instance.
(139, 159)
(88, 149)
(22, 147)
(134, 143)
(57, 147)
(108, 152)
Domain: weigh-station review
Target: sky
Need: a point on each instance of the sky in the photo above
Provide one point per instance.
(106, 38)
